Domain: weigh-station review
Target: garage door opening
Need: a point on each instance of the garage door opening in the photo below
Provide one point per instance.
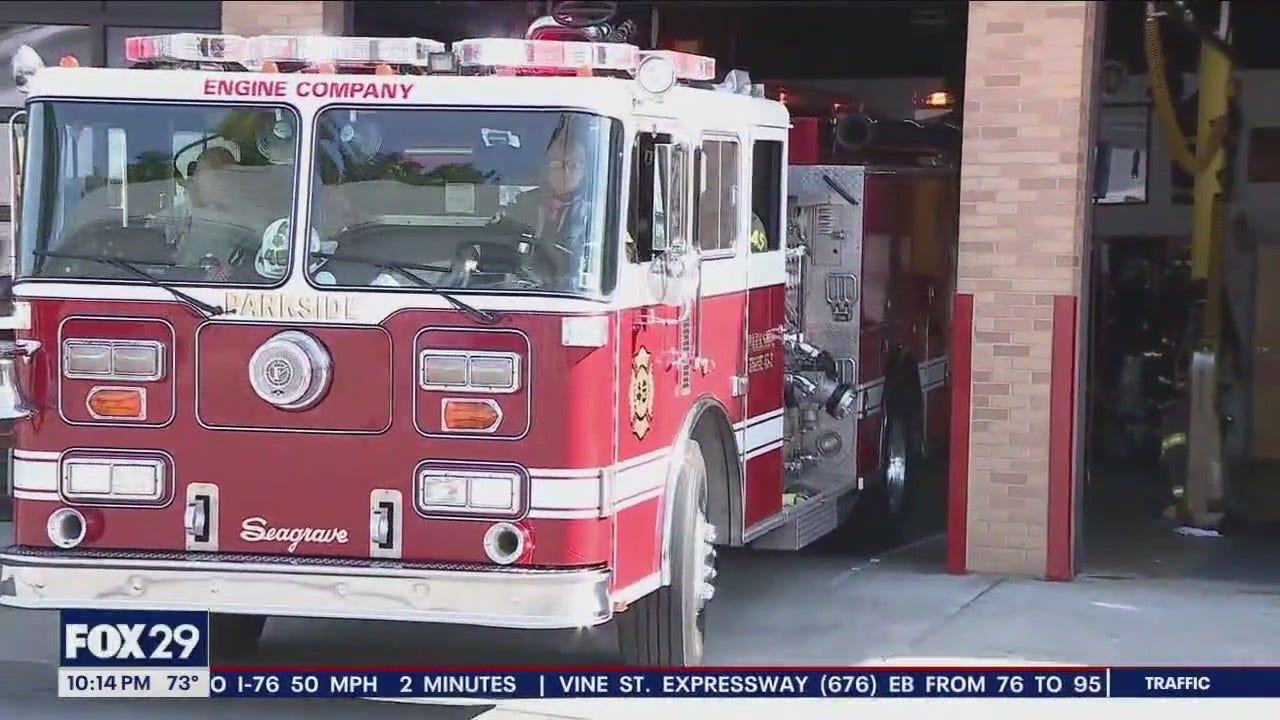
(1183, 464)
(829, 61)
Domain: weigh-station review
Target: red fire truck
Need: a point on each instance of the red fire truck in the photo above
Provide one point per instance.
(376, 328)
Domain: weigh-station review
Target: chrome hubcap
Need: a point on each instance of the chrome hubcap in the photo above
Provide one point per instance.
(895, 478)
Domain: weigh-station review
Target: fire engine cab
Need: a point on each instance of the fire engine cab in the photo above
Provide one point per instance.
(510, 333)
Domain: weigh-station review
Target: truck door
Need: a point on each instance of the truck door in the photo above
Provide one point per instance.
(761, 439)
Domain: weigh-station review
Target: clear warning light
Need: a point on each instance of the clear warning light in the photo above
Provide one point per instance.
(186, 47)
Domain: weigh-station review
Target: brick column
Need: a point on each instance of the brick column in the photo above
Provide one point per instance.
(1024, 218)
(286, 17)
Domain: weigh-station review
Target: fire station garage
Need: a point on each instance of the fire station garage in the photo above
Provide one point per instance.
(1111, 384)
(1108, 270)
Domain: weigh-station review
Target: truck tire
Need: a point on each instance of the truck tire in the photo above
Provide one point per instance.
(665, 628)
(235, 636)
(891, 499)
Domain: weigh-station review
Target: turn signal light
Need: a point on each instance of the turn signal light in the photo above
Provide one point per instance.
(123, 403)
(472, 415)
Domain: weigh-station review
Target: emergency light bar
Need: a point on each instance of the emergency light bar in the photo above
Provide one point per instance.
(571, 55)
(698, 68)
(501, 54)
(546, 54)
(318, 49)
(255, 51)
(187, 47)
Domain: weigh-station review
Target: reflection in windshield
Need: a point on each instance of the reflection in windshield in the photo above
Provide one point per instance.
(505, 200)
(189, 193)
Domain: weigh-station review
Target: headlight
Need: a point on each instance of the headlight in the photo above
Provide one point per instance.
(442, 491)
(444, 370)
(129, 480)
(119, 359)
(493, 372)
(472, 492)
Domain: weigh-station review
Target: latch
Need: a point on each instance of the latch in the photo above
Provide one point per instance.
(200, 518)
(739, 385)
(385, 524)
(842, 295)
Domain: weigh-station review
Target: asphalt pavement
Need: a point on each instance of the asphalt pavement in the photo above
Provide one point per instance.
(771, 608)
(758, 590)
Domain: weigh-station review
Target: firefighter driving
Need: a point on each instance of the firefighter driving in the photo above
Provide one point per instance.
(511, 333)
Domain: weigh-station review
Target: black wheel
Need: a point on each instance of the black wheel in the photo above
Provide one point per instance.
(235, 636)
(665, 628)
(892, 497)
(887, 504)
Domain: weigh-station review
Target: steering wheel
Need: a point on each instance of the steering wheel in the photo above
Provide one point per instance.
(533, 269)
(236, 243)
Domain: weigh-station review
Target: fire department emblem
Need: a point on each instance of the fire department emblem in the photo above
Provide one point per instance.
(641, 393)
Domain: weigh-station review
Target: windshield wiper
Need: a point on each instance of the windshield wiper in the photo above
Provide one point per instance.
(131, 266)
(404, 269)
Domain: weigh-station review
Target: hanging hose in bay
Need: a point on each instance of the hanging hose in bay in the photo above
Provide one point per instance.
(1213, 317)
(1179, 146)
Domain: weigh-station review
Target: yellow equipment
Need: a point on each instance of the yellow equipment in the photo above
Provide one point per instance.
(1202, 157)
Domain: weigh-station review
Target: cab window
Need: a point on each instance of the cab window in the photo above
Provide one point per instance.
(766, 194)
(717, 209)
(111, 191)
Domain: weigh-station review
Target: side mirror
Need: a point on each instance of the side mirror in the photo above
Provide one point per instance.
(660, 221)
(670, 173)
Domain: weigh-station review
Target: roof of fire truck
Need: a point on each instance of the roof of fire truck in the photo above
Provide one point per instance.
(615, 79)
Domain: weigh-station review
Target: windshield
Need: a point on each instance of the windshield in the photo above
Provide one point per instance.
(487, 200)
(184, 193)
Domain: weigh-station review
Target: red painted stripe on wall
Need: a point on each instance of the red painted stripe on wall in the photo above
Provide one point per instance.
(961, 400)
(1060, 560)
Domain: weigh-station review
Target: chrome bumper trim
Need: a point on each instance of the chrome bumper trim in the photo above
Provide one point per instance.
(519, 599)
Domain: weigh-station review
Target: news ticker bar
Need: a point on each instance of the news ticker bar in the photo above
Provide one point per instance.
(729, 684)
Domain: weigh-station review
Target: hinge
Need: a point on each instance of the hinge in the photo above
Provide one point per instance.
(739, 385)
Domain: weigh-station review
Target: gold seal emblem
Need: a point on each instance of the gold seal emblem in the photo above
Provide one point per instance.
(641, 393)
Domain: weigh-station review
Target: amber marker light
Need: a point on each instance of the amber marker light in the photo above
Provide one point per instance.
(122, 403)
(471, 415)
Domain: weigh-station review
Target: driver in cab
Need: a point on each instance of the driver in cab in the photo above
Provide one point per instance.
(558, 210)
(238, 222)
(212, 240)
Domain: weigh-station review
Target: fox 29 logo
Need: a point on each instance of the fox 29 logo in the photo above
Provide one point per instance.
(134, 638)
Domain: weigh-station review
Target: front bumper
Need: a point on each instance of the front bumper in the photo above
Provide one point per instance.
(304, 587)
